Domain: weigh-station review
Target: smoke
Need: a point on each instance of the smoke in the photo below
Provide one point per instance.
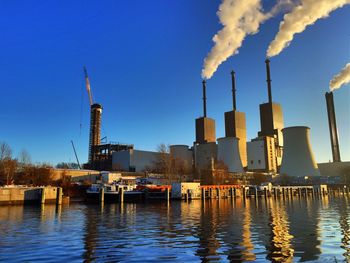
(301, 16)
(239, 19)
(341, 79)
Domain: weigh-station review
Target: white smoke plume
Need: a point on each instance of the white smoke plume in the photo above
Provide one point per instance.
(301, 16)
(239, 19)
(341, 79)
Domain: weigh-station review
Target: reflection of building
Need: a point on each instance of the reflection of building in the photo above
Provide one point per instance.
(207, 232)
(304, 226)
(280, 247)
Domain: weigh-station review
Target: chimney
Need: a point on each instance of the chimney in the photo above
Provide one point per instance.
(233, 90)
(204, 99)
(333, 127)
(267, 61)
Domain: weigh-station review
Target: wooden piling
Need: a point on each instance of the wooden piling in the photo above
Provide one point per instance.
(167, 194)
(218, 193)
(121, 195)
(59, 196)
(43, 195)
(102, 195)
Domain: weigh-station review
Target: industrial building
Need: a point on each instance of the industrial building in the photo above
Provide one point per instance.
(235, 125)
(262, 155)
(133, 160)
(205, 149)
(260, 150)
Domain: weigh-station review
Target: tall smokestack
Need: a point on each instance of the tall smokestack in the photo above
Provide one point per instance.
(95, 131)
(204, 99)
(267, 61)
(333, 127)
(233, 90)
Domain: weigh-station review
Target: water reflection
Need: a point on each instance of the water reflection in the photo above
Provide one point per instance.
(280, 248)
(276, 230)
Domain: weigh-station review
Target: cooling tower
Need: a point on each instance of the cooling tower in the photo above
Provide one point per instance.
(298, 159)
(95, 131)
(228, 152)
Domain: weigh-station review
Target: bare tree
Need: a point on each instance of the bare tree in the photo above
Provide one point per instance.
(24, 158)
(8, 166)
(5, 151)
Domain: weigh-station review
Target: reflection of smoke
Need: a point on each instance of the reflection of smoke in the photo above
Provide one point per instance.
(239, 18)
(341, 79)
(303, 15)
(280, 248)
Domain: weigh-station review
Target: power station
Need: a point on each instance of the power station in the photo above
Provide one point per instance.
(275, 150)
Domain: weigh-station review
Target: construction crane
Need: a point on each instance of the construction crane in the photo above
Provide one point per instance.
(75, 153)
(87, 83)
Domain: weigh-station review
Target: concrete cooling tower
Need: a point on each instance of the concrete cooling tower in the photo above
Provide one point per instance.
(228, 152)
(298, 159)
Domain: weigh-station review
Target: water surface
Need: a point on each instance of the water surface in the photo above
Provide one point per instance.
(282, 230)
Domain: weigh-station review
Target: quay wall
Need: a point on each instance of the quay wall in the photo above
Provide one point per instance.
(22, 195)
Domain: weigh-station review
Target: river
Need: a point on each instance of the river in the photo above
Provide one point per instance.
(267, 230)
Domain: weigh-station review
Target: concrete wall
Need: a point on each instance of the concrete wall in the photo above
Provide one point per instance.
(334, 169)
(204, 154)
(76, 175)
(256, 155)
(183, 153)
(20, 195)
(121, 160)
(134, 159)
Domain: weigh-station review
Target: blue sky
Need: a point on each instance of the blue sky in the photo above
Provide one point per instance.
(144, 59)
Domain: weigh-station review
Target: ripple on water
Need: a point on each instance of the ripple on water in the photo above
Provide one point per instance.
(271, 230)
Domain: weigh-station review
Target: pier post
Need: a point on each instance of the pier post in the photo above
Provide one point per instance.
(210, 193)
(256, 192)
(187, 195)
(102, 195)
(121, 195)
(299, 190)
(244, 192)
(218, 192)
(234, 192)
(59, 196)
(43, 195)
(265, 192)
(275, 192)
(167, 194)
(231, 193)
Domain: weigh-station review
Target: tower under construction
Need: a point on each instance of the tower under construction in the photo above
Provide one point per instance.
(95, 132)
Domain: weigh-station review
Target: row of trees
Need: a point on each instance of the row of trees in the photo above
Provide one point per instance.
(20, 170)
